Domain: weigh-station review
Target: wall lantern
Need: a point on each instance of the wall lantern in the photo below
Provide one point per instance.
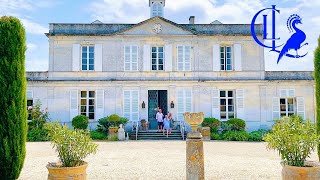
(143, 105)
(172, 104)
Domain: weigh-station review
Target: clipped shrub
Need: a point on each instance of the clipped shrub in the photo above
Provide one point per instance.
(80, 122)
(123, 120)
(103, 125)
(13, 113)
(96, 135)
(211, 122)
(317, 91)
(236, 136)
(114, 120)
(257, 135)
(72, 145)
(236, 124)
(215, 136)
(37, 134)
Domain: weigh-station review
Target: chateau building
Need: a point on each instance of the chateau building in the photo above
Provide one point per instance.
(98, 69)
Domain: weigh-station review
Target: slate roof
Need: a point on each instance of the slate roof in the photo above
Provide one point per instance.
(92, 29)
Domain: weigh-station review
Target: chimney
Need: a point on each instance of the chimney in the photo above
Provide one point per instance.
(191, 19)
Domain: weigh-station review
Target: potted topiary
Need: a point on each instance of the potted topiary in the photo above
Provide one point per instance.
(114, 121)
(80, 122)
(73, 146)
(295, 140)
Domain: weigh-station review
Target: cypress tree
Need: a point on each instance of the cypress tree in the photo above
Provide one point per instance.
(317, 83)
(13, 112)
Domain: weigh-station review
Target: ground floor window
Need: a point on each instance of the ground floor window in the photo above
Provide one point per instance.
(287, 106)
(87, 104)
(227, 104)
(131, 104)
(184, 98)
(29, 108)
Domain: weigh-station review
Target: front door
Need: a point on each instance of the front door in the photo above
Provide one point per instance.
(156, 98)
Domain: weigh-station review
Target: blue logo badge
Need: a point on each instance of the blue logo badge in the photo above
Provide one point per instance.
(295, 42)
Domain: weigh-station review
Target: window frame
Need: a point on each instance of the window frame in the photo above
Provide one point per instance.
(233, 98)
(88, 57)
(157, 59)
(224, 58)
(287, 112)
(157, 9)
(88, 98)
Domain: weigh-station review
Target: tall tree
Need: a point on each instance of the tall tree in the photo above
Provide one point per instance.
(317, 83)
(13, 112)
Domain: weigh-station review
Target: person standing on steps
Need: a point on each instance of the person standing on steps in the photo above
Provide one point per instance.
(166, 125)
(159, 118)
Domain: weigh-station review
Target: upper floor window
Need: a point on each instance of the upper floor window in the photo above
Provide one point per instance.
(157, 59)
(183, 58)
(227, 104)
(157, 9)
(87, 58)
(226, 58)
(287, 106)
(131, 58)
(87, 104)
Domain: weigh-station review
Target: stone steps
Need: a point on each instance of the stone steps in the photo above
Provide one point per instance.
(155, 135)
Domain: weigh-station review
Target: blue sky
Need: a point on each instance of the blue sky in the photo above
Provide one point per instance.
(35, 16)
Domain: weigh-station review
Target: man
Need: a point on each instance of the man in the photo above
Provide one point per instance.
(159, 118)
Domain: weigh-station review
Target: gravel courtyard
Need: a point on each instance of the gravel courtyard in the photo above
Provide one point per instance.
(163, 160)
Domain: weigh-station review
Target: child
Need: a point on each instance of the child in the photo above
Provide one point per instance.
(166, 124)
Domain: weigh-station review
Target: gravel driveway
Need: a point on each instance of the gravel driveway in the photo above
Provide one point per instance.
(163, 160)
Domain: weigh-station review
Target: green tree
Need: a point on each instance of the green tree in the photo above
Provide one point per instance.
(13, 111)
(317, 83)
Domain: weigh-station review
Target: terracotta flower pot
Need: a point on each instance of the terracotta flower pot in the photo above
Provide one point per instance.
(113, 130)
(67, 173)
(311, 172)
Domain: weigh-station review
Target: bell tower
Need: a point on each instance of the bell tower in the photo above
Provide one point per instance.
(156, 7)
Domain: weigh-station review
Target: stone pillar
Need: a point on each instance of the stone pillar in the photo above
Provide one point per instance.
(195, 159)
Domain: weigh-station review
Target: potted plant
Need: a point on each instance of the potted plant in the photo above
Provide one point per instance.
(73, 146)
(114, 121)
(295, 140)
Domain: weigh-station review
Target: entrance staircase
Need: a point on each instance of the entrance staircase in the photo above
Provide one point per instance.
(155, 135)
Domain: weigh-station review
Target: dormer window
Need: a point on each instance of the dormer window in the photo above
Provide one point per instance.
(156, 7)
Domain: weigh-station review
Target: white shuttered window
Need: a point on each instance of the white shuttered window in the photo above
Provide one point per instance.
(131, 58)
(184, 97)
(183, 58)
(131, 104)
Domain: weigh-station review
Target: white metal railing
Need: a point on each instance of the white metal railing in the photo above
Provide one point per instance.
(137, 129)
(182, 128)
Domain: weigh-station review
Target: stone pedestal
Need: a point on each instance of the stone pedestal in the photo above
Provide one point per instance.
(121, 134)
(195, 159)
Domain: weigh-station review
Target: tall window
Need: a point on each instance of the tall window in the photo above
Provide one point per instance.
(29, 107)
(287, 106)
(87, 60)
(157, 9)
(131, 58)
(87, 104)
(157, 59)
(184, 97)
(227, 104)
(184, 58)
(225, 58)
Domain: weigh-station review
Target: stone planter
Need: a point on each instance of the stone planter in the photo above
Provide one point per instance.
(67, 173)
(205, 132)
(312, 172)
(113, 131)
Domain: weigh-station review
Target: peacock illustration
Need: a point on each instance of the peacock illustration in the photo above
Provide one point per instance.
(296, 39)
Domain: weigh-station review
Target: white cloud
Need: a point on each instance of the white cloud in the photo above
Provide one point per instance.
(33, 27)
(31, 47)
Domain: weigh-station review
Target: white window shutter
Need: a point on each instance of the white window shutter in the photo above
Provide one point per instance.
(146, 58)
(187, 58)
(74, 110)
(29, 94)
(127, 58)
(168, 57)
(215, 103)
(126, 104)
(188, 100)
(76, 57)
(240, 104)
(216, 57)
(301, 107)
(99, 104)
(180, 61)
(283, 92)
(291, 93)
(237, 57)
(275, 108)
(134, 58)
(98, 57)
(180, 104)
(134, 105)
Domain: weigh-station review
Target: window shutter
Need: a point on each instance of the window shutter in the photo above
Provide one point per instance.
(126, 104)
(74, 111)
(187, 58)
(134, 58)
(275, 108)
(301, 107)
(291, 93)
(127, 57)
(240, 104)
(188, 100)
(99, 104)
(215, 103)
(237, 57)
(168, 57)
(76, 57)
(146, 57)
(216, 57)
(180, 58)
(29, 94)
(98, 57)
(134, 106)
(283, 93)
(180, 105)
